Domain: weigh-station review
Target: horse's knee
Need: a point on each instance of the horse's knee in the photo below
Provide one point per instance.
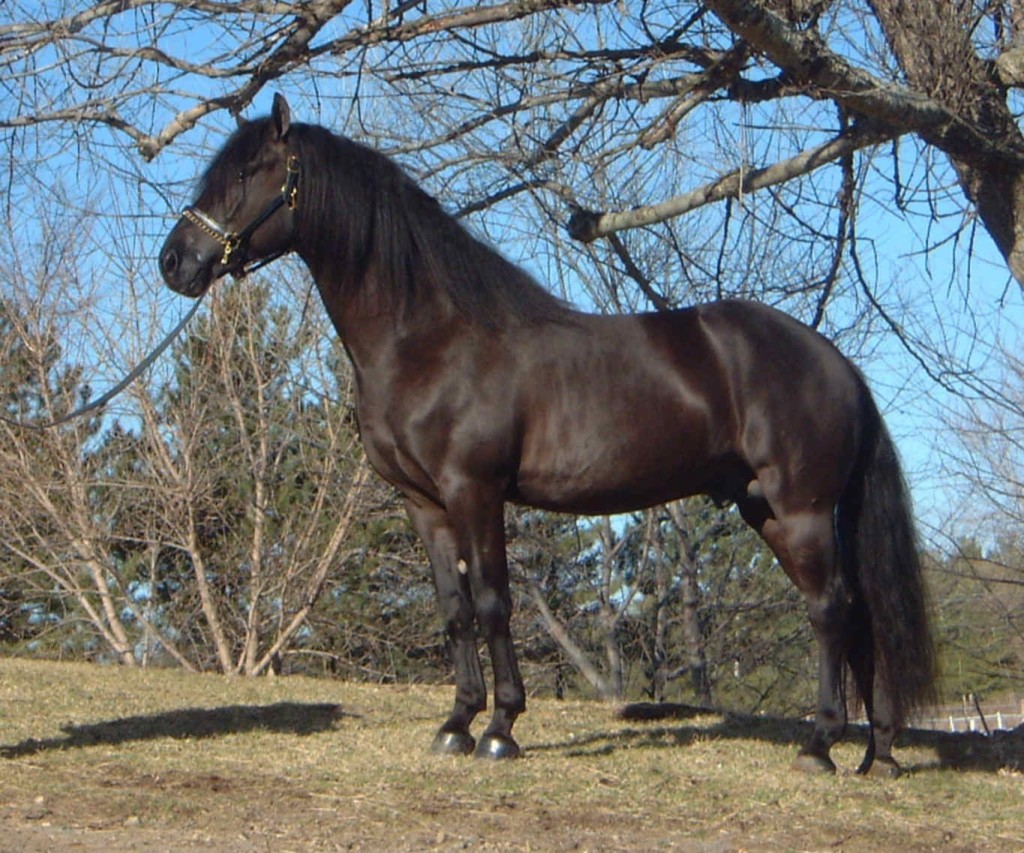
(493, 611)
(457, 613)
(829, 612)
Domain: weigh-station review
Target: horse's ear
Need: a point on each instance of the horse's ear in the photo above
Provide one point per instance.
(281, 115)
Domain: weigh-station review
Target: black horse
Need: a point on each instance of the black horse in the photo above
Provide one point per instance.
(474, 387)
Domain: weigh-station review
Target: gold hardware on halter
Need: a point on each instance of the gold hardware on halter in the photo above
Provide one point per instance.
(290, 190)
(229, 240)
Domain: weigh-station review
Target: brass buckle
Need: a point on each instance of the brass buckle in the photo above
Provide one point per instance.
(290, 190)
(231, 243)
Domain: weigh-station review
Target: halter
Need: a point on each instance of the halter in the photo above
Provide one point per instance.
(232, 242)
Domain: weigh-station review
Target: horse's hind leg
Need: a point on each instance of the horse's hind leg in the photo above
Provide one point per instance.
(878, 760)
(828, 611)
(456, 606)
(804, 543)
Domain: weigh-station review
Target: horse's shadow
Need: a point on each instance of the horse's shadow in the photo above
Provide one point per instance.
(658, 728)
(1002, 750)
(284, 717)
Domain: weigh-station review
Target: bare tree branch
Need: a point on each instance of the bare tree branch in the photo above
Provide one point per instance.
(587, 226)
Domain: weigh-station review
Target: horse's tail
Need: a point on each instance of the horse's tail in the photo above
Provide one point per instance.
(890, 635)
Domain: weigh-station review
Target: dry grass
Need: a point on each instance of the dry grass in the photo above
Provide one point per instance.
(110, 759)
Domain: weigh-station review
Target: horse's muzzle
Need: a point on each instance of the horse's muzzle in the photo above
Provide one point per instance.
(187, 265)
(173, 268)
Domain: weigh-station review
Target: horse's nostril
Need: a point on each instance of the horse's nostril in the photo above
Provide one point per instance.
(168, 261)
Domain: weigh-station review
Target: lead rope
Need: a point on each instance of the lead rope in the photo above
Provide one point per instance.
(231, 243)
(102, 400)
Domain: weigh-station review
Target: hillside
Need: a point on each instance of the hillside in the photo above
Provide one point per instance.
(105, 758)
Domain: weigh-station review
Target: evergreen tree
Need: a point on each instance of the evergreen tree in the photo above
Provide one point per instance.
(251, 471)
(51, 555)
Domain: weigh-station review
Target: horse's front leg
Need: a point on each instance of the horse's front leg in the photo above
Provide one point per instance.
(477, 515)
(456, 607)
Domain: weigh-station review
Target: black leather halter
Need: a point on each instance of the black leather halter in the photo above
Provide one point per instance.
(233, 242)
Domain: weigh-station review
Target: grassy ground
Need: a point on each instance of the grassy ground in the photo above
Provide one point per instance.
(97, 758)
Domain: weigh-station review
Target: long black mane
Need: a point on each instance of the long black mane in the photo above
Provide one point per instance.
(360, 212)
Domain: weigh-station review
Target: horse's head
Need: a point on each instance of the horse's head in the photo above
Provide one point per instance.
(245, 210)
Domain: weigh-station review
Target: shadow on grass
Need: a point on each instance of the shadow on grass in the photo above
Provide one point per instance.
(284, 717)
(954, 750)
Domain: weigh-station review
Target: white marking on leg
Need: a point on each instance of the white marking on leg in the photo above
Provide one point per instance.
(462, 567)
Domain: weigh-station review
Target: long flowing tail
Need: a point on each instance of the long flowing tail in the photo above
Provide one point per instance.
(881, 561)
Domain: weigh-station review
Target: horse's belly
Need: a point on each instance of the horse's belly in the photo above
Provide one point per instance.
(600, 501)
(606, 475)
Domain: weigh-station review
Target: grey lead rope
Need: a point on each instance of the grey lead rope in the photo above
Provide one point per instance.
(118, 388)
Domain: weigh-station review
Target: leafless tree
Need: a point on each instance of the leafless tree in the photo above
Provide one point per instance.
(101, 509)
(985, 460)
(978, 568)
(634, 155)
(696, 662)
(616, 117)
(256, 490)
(49, 531)
(581, 595)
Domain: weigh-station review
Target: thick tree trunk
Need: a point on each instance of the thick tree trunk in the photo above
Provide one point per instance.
(932, 43)
(954, 100)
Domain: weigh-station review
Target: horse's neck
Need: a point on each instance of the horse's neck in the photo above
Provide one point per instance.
(380, 331)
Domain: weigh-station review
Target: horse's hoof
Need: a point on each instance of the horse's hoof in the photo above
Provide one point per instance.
(497, 747)
(810, 762)
(453, 743)
(881, 768)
